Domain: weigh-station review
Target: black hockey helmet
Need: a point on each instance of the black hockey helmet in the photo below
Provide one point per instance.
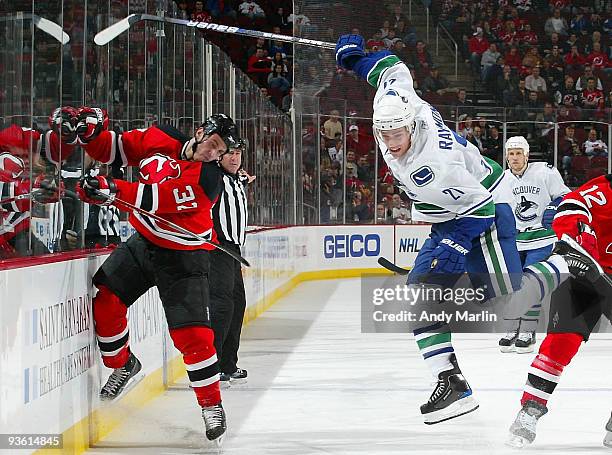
(222, 125)
(239, 143)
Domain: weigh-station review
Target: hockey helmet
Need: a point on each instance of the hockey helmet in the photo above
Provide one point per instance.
(393, 111)
(518, 142)
(222, 125)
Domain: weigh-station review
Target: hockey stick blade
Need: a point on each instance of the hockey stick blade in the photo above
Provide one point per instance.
(51, 28)
(41, 23)
(387, 264)
(110, 33)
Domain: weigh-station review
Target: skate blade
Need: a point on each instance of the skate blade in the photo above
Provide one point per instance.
(457, 409)
(517, 442)
(526, 350)
(240, 381)
(507, 349)
(129, 386)
(224, 385)
(608, 440)
(217, 443)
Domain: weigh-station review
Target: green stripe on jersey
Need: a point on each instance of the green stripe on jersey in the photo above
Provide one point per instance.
(438, 338)
(486, 210)
(528, 236)
(379, 67)
(496, 173)
(424, 208)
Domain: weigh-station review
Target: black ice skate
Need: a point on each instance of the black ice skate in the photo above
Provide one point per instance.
(239, 376)
(580, 263)
(120, 378)
(608, 439)
(525, 342)
(224, 380)
(523, 429)
(506, 343)
(214, 420)
(451, 398)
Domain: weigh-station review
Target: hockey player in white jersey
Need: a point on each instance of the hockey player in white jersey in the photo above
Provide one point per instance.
(537, 188)
(463, 195)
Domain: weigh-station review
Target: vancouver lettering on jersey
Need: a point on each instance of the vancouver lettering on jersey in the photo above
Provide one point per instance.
(526, 189)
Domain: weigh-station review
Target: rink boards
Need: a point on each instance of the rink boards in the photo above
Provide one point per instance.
(50, 367)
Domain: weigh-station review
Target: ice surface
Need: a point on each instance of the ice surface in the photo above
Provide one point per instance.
(317, 385)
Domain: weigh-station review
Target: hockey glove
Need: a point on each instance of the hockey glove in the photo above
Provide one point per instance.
(63, 121)
(349, 50)
(47, 189)
(449, 257)
(587, 239)
(548, 216)
(91, 122)
(98, 190)
(549, 213)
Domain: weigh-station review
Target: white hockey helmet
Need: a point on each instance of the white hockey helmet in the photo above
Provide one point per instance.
(393, 111)
(518, 142)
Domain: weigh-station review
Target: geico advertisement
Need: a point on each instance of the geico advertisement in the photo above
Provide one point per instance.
(361, 246)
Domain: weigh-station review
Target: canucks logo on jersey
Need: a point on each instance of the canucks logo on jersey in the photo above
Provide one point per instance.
(526, 210)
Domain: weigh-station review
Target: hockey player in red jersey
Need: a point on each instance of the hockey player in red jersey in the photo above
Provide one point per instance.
(130, 147)
(576, 306)
(24, 152)
(182, 191)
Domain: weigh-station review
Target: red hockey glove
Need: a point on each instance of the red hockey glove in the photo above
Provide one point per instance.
(91, 122)
(587, 239)
(47, 190)
(63, 121)
(98, 190)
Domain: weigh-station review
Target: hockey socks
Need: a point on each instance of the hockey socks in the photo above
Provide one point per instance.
(556, 352)
(110, 316)
(546, 275)
(434, 342)
(196, 345)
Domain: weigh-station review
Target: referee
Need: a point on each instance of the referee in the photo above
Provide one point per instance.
(227, 296)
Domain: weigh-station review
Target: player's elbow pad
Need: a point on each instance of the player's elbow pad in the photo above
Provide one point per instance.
(468, 228)
(364, 65)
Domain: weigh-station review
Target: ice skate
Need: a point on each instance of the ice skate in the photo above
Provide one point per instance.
(580, 263)
(525, 342)
(523, 429)
(506, 343)
(238, 377)
(120, 378)
(224, 381)
(214, 420)
(608, 438)
(452, 397)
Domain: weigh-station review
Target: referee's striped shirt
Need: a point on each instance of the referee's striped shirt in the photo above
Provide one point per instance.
(230, 213)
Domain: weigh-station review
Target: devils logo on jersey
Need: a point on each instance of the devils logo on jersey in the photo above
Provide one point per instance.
(11, 167)
(157, 169)
(526, 210)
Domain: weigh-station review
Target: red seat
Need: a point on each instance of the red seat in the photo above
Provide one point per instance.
(599, 161)
(580, 163)
(596, 172)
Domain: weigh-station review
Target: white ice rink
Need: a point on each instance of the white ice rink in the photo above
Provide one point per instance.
(317, 385)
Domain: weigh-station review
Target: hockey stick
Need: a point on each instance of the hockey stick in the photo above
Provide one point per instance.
(174, 226)
(47, 26)
(8, 200)
(387, 264)
(110, 33)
